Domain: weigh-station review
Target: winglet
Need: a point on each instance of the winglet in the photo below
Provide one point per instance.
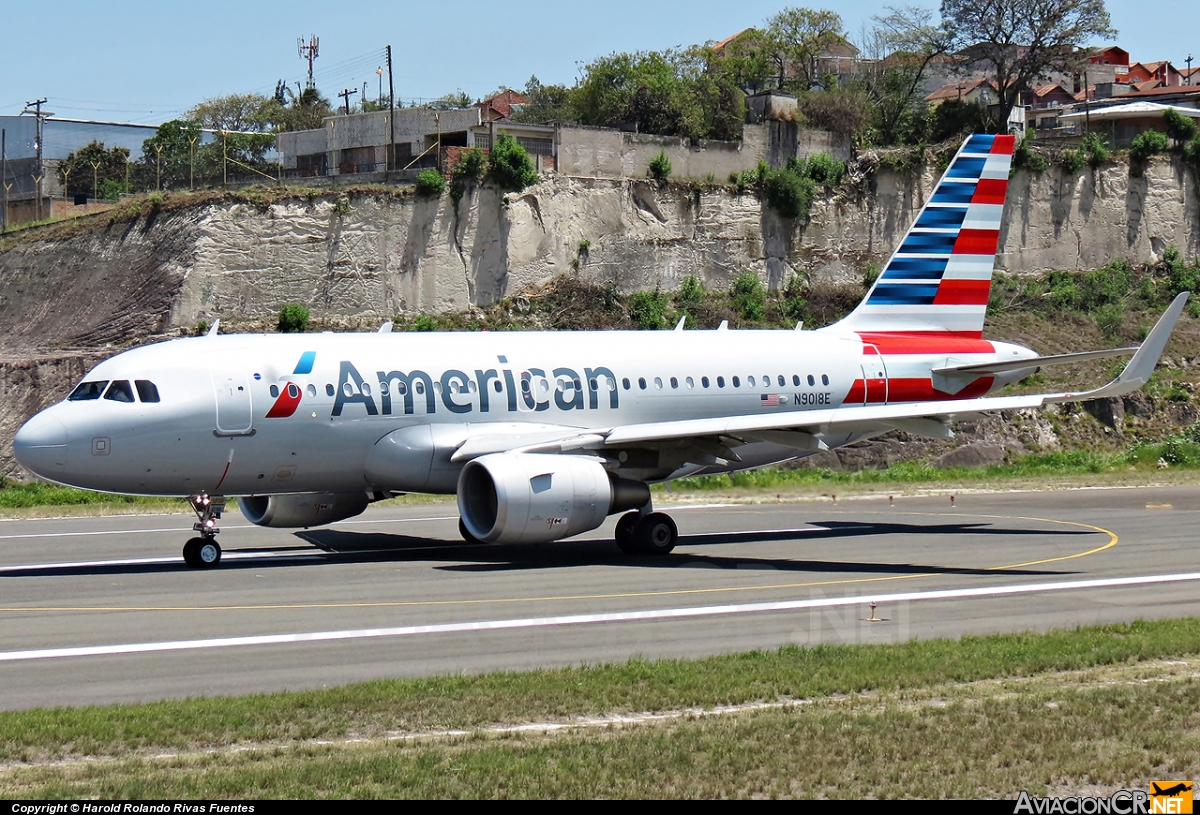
(212, 332)
(1137, 372)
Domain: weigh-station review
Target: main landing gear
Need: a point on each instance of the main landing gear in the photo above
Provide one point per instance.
(646, 533)
(204, 552)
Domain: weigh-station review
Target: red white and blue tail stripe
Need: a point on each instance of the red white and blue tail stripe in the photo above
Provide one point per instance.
(939, 278)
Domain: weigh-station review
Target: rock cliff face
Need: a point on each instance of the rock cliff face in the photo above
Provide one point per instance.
(365, 257)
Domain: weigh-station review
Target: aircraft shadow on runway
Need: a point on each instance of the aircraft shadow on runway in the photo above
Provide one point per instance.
(340, 546)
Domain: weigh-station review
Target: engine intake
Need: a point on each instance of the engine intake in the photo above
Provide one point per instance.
(302, 509)
(532, 498)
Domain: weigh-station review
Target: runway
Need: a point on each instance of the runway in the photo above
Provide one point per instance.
(100, 610)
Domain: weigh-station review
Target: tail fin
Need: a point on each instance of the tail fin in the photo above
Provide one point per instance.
(939, 278)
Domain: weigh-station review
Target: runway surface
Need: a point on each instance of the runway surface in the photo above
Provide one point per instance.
(100, 610)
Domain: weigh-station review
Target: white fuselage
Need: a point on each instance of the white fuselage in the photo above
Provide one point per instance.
(269, 414)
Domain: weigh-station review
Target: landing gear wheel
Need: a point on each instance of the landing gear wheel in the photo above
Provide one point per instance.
(202, 553)
(625, 536)
(466, 533)
(656, 534)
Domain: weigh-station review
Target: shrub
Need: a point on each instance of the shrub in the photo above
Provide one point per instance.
(1096, 150)
(1109, 319)
(430, 182)
(510, 165)
(793, 303)
(789, 194)
(648, 309)
(690, 293)
(1148, 143)
(1026, 158)
(293, 318)
(424, 322)
(1179, 127)
(747, 296)
(660, 168)
(825, 170)
(470, 164)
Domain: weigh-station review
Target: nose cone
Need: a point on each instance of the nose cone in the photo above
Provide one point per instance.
(41, 446)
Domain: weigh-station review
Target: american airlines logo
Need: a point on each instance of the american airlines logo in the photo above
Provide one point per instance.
(289, 394)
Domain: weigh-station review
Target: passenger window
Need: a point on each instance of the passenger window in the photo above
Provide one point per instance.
(312, 390)
(704, 381)
(720, 381)
(750, 381)
(811, 381)
(147, 391)
(642, 382)
(674, 382)
(796, 380)
(592, 384)
(782, 381)
(119, 391)
(737, 383)
(691, 383)
(625, 383)
(87, 390)
(347, 389)
(658, 383)
(383, 389)
(274, 391)
(329, 390)
(294, 392)
(496, 386)
(824, 379)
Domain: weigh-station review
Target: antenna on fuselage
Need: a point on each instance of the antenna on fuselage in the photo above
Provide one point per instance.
(679, 325)
(386, 328)
(212, 332)
(800, 325)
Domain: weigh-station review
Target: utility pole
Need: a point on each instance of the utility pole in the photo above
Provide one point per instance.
(391, 112)
(41, 117)
(346, 94)
(309, 51)
(4, 178)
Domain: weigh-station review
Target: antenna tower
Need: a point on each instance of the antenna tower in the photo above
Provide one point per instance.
(309, 51)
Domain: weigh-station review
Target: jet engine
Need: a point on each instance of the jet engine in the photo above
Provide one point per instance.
(533, 498)
(302, 509)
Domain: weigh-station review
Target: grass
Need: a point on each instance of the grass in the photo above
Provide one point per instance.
(981, 716)
(1140, 461)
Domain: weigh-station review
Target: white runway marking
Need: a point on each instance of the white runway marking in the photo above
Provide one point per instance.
(585, 619)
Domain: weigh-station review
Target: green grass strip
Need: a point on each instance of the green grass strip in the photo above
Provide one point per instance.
(437, 703)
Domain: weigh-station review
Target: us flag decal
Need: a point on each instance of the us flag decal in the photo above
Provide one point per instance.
(768, 400)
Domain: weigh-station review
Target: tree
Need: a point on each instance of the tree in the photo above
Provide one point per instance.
(171, 157)
(307, 111)
(87, 169)
(243, 127)
(800, 38)
(545, 104)
(1020, 40)
(452, 101)
(237, 111)
(899, 49)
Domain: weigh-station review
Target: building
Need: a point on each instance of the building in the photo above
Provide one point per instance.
(422, 137)
(1121, 123)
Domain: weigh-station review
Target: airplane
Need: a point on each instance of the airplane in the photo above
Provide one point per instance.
(543, 435)
(1171, 792)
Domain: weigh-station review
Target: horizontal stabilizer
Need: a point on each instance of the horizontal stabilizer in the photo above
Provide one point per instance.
(1137, 373)
(1034, 362)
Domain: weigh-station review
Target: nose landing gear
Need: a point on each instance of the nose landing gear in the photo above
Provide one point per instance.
(204, 552)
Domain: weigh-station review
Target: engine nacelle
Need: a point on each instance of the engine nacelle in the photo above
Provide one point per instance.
(533, 498)
(302, 509)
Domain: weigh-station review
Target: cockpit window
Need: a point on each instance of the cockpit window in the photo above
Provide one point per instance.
(147, 390)
(87, 390)
(119, 391)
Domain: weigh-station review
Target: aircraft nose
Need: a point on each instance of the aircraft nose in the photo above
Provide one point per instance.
(41, 446)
